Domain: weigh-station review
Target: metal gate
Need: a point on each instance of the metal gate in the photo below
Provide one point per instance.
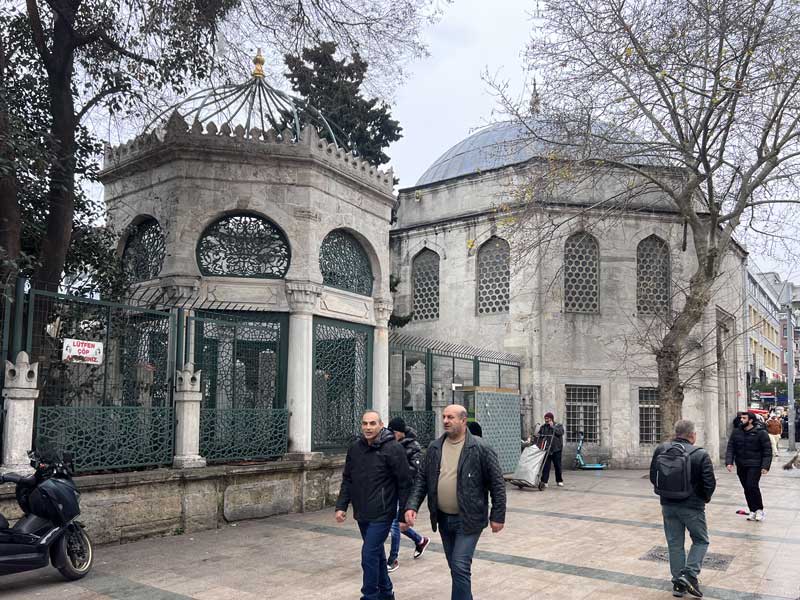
(498, 414)
(342, 381)
(242, 356)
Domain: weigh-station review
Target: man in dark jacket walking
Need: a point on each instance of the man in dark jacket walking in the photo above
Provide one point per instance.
(555, 432)
(460, 471)
(750, 450)
(689, 512)
(408, 440)
(375, 479)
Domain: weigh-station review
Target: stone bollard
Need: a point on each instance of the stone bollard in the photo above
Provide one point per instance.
(187, 415)
(20, 393)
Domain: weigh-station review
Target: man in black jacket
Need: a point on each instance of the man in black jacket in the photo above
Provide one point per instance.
(459, 472)
(686, 513)
(375, 479)
(408, 440)
(750, 450)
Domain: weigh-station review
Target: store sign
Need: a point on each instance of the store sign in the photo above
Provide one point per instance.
(81, 351)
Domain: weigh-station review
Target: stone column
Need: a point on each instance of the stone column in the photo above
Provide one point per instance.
(303, 297)
(438, 402)
(19, 394)
(187, 415)
(380, 358)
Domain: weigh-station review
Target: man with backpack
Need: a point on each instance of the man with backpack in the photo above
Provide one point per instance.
(683, 476)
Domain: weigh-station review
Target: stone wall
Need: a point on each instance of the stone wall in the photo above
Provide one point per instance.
(124, 507)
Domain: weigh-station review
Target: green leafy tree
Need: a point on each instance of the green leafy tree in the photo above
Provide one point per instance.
(333, 86)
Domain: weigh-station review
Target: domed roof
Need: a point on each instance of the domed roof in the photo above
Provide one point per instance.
(498, 145)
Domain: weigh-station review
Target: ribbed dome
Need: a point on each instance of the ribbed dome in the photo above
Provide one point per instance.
(497, 145)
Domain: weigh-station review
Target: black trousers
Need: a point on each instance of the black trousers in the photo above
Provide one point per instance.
(555, 458)
(750, 477)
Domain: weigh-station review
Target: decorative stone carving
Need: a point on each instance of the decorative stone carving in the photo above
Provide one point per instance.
(383, 310)
(303, 296)
(187, 416)
(20, 393)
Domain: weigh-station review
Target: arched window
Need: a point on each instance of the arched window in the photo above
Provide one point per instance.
(425, 278)
(581, 269)
(652, 276)
(243, 245)
(344, 263)
(144, 251)
(494, 274)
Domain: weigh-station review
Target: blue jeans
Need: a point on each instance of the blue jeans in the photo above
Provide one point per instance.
(458, 548)
(394, 549)
(376, 585)
(677, 519)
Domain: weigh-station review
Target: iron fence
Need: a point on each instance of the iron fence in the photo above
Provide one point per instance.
(422, 421)
(243, 434)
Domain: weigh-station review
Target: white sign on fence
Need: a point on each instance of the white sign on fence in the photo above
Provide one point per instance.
(82, 351)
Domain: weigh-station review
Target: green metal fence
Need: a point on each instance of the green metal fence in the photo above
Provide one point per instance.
(341, 380)
(114, 410)
(6, 308)
(243, 358)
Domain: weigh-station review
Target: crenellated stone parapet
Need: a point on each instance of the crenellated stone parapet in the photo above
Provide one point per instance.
(210, 136)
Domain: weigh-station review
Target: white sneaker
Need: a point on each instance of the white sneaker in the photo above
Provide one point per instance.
(544, 484)
(751, 516)
(759, 515)
(560, 484)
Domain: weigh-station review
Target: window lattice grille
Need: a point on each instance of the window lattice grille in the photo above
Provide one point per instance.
(144, 251)
(243, 246)
(425, 269)
(583, 413)
(649, 416)
(652, 276)
(344, 263)
(494, 273)
(581, 268)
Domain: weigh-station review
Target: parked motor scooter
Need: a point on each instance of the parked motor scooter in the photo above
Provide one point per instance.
(49, 532)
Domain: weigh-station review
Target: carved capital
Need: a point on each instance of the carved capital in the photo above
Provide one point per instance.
(187, 379)
(22, 374)
(303, 296)
(180, 290)
(383, 310)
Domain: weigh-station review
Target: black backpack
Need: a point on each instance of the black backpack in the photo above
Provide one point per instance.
(674, 472)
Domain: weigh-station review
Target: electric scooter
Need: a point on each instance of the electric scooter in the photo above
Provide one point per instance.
(49, 532)
(580, 463)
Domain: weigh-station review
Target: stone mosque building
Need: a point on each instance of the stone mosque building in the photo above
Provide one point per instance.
(575, 312)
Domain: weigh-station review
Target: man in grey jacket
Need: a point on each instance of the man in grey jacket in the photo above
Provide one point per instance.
(459, 473)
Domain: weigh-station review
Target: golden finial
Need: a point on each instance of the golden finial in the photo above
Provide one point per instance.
(258, 61)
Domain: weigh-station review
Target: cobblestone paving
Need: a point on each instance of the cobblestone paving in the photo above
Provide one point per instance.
(585, 540)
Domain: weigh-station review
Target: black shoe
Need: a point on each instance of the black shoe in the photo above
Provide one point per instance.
(421, 547)
(678, 589)
(691, 585)
(392, 566)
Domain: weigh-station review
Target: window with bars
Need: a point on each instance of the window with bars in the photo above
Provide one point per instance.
(494, 274)
(425, 278)
(583, 413)
(649, 416)
(652, 276)
(581, 269)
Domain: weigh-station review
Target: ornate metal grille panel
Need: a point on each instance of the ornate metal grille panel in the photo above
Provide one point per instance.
(341, 382)
(243, 433)
(344, 263)
(242, 357)
(244, 246)
(581, 269)
(144, 251)
(423, 422)
(425, 269)
(494, 275)
(499, 417)
(652, 276)
(583, 413)
(108, 437)
(649, 416)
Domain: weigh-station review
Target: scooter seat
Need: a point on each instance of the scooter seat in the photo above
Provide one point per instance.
(3, 522)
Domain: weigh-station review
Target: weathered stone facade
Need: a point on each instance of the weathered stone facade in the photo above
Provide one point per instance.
(606, 348)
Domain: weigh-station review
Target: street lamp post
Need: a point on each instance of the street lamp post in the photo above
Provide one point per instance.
(790, 372)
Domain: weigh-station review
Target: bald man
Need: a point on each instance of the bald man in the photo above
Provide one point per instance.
(459, 474)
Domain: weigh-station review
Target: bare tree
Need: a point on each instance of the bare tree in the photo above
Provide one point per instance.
(692, 101)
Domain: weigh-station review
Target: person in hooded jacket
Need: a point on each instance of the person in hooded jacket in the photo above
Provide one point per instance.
(376, 478)
(407, 437)
(749, 448)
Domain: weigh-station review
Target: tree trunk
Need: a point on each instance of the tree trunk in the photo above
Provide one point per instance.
(10, 216)
(670, 389)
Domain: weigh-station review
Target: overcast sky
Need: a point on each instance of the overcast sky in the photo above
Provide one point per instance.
(445, 98)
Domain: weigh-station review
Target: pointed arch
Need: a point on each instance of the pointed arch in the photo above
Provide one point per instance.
(493, 276)
(581, 273)
(425, 285)
(653, 276)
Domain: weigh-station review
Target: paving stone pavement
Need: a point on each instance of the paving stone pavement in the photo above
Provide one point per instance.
(588, 539)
